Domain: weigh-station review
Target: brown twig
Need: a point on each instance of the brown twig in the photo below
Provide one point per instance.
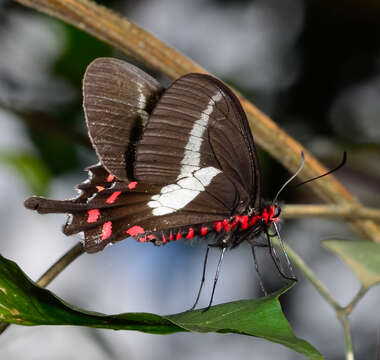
(331, 212)
(54, 270)
(143, 46)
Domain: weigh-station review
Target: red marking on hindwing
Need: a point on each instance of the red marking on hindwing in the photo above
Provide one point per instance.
(163, 238)
(190, 234)
(132, 185)
(151, 237)
(110, 178)
(107, 230)
(135, 230)
(93, 216)
(204, 231)
(113, 197)
(170, 236)
(178, 236)
(100, 188)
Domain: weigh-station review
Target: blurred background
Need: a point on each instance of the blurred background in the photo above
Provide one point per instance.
(313, 66)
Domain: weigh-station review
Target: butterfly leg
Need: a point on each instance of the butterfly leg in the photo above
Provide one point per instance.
(293, 277)
(223, 250)
(277, 261)
(257, 270)
(203, 279)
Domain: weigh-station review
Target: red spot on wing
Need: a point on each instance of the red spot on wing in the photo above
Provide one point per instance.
(100, 188)
(113, 197)
(178, 236)
(204, 231)
(110, 178)
(151, 237)
(107, 230)
(171, 236)
(135, 230)
(190, 234)
(132, 185)
(93, 215)
(163, 239)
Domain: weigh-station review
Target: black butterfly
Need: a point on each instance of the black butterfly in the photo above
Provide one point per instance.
(174, 163)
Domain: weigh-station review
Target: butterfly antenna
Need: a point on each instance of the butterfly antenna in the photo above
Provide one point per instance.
(292, 177)
(344, 160)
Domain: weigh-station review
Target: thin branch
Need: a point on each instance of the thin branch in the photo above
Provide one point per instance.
(54, 271)
(342, 313)
(309, 274)
(331, 212)
(362, 291)
(144, 47)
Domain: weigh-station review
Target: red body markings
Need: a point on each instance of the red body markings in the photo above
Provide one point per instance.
(218, 226)
(204, 231)
(236, 222)
(93, 216)
(106, 230)
(132, 185)
(111, 199)
(190, 234)
(110, 178)
(135, 230)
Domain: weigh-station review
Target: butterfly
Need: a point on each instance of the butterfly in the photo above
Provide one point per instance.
(175, 163)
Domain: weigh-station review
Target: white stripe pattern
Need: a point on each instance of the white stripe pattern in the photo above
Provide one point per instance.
(192, 179)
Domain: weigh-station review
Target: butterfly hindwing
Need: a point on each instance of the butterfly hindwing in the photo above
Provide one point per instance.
(196, 134)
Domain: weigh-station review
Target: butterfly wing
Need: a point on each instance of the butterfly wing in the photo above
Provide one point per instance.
(194, 164)
(198, 135)
(117, 100)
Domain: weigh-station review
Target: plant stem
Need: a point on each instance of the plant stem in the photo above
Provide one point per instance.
(146, 48)
(342, 313)
(343, 318)
(309, 274)
(331, 211)
(54, 271)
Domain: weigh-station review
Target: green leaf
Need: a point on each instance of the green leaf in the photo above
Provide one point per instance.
(31, 168)
(22, 302)
(362, 257)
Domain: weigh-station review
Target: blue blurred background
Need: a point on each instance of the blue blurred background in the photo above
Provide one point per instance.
(313, 66)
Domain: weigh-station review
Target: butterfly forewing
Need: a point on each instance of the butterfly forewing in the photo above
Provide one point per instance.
(118, 98)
